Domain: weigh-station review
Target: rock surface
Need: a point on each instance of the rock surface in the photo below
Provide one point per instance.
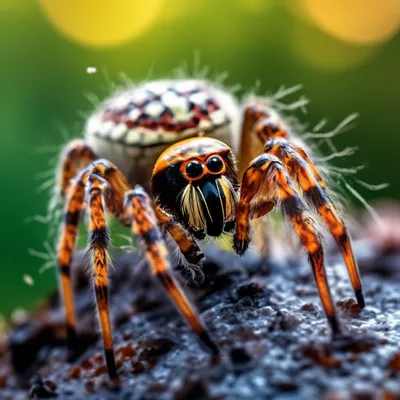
(265, 317)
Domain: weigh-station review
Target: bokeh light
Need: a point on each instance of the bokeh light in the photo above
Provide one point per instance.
(355, 21)
(324, 51)
(102, 22)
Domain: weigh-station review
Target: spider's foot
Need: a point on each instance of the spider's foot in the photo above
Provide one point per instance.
(360, 298)
(72, 344)
(209, 343)
(111, 367)
(335, 325)
(240, 245)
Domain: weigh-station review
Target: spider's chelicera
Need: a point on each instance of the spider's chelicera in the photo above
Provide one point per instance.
(176, 138)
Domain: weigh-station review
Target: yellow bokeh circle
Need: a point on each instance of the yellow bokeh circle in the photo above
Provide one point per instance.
(101, 22)
(323, 51)
(355, 21)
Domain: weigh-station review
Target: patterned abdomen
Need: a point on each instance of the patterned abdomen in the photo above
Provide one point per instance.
(134, 126)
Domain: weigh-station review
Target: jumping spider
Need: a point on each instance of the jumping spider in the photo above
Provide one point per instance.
(194, 185)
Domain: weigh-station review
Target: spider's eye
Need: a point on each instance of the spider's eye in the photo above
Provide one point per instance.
(194, 169)
(215, 164)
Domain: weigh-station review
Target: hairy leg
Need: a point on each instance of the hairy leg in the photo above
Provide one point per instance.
(75, 204)
(259, 123)
(250, 147)
(145, 227)
(266, 176)
(98, 242)
(77, 156)
(71, 185)
(187, 245)
(313, 187)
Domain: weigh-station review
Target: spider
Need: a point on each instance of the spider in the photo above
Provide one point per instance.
(184, 128)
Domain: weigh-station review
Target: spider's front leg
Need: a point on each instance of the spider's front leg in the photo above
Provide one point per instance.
(99, 239)
(302, 169)
(99, 185)
(144, 225)
(266, 178)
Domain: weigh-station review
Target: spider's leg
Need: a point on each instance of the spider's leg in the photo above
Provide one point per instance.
(259, 210)
(303, 154)
(77, 156)
(250, 146)
(302, 171)
(266, 177)
(98, 242)
(75, 204)
(145, 227)
(187, 245)
(259, 121)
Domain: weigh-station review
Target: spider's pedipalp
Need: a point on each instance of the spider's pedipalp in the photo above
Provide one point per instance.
(186, 244)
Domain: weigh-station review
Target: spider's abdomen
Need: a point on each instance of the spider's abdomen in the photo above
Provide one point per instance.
(133, 127)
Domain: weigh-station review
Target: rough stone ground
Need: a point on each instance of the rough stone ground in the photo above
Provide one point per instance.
(266, 318)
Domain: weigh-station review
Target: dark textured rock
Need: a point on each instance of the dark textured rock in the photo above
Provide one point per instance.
(42, 390)
(240, 356)
(265, 317)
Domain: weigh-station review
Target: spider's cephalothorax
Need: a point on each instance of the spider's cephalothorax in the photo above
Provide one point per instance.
(195, 187)
(202, 181)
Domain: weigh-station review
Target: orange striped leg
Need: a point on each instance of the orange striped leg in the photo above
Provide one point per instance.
(277, 183)
(303, 154)
(259, 210)
(72, 214)
(76, 156)
(250, 146)
(118, 186)
(258, 125)
(98, 242)
(317, 196)
(144, 225)
(187, 245)
(250, 188)
(338, 229)
(101, 172)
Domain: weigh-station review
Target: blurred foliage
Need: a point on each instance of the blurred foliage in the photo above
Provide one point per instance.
(46, 47)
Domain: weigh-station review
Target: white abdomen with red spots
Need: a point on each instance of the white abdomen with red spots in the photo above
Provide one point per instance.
(133, 127)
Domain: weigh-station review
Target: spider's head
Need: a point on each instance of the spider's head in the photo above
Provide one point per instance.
(196, 180)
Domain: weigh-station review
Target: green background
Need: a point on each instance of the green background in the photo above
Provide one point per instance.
(43, 82)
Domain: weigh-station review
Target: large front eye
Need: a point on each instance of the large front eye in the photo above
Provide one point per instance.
(194, 169)
(215, 164)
